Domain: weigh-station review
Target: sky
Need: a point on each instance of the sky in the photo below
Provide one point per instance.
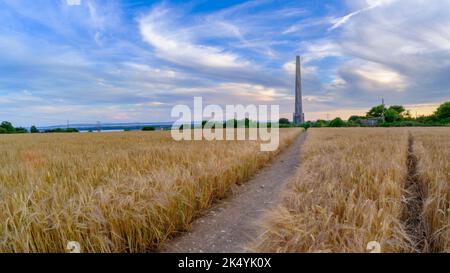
(132, 61)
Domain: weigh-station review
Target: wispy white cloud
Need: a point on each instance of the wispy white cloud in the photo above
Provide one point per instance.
(320, 49)
(170, 43)
(306, 24)
(395, 51)
(337, 22)
(73, 2)
(373, 76)
(101, 60)
(250, 91)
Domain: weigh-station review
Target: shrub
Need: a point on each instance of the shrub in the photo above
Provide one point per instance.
(34, 130)
(148, 128)
(320, 123)
(8, 127)
(284, 121)
(355, 118)
(60, 130)
(21, 130)
(185, 127)
(337, 122)
(284, 125)
(406, 123)
(376, 111)
(445, 121)
(399, 109)
(391, 115)
(443, 111)
(352, 123)
(306, 125)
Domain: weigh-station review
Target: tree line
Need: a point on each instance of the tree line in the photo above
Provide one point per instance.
(7, 127)
(393, 116)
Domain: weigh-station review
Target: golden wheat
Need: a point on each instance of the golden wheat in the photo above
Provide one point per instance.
(354, 186)
(432, 149)
(347, 192)
(114, 192)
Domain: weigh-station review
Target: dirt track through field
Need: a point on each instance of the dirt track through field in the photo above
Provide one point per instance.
(415, 196)
(231, 224)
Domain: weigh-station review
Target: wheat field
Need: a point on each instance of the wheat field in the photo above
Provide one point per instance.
(114, 192)
(432, 149)
(351, 190)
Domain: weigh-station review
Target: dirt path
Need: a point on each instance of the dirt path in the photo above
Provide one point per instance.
(231, 224)
(412, 212)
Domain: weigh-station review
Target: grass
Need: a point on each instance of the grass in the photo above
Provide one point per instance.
(114, 192)
(350, 190)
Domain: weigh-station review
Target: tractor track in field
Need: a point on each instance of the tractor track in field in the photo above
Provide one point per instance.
(412, 219)
(231, 224)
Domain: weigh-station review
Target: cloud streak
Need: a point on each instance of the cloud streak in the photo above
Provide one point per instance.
(337, 22)
(73, 2)
(131, 61)
(170, 44)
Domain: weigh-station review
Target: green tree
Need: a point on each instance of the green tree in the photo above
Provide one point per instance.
(337, 122)
(306, 125)
(407, 115)
(232, 123)
(391, 115)
(284, 121)
(355, 118)
(20, 130)
(60, 130)
(211, 122)
(353, 124)
(247, 123)
(376, 111)
(34, 130)
(148, 128)
(8, 127)
(184, 127)
(3, 130)
(320, 123)
(398, 108)
(443, 111)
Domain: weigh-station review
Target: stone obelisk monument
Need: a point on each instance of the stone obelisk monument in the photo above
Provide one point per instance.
(299, 117)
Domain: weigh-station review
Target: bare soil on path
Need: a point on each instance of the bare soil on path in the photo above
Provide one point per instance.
(413, 220)
(231, 224)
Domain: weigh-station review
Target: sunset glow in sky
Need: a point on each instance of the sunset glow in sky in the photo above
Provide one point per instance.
(132, 61)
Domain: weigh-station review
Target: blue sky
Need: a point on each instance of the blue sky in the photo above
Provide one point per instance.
(132, 61)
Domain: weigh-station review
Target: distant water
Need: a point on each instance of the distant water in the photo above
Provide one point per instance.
(102, 131)
(111, 127)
